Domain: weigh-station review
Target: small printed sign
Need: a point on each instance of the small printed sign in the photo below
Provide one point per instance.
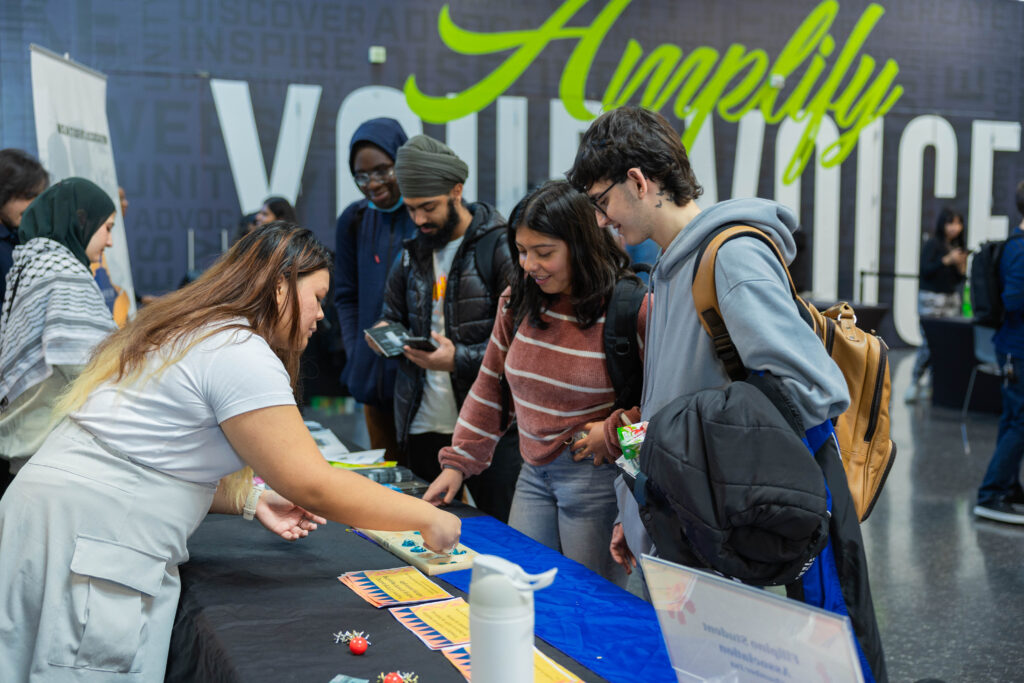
(716, 629)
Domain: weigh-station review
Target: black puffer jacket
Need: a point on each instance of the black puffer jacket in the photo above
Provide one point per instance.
(470, 306)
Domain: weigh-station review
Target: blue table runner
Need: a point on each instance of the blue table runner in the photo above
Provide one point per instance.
(603, 627)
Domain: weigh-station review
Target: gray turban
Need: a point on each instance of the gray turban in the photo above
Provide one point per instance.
(426, 167)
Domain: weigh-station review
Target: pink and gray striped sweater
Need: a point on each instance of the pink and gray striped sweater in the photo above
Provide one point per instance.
(559, 382)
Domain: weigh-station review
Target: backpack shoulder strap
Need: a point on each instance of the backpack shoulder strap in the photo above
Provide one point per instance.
(705, 294)
(505, 390)
(357, 218)
(638, 267)
(621, 347)
(485, 259)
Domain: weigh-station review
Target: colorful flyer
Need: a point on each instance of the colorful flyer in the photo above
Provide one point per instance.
(545, 669)
(389, 587)
(438, 624)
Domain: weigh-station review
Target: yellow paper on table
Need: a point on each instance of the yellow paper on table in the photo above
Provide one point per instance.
(545, 669)
(388, 587)
(438, 624)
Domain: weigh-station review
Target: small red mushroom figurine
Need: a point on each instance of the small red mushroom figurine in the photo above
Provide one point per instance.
(393, 677)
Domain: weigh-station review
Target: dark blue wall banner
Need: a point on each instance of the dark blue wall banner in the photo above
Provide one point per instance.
(866, 118)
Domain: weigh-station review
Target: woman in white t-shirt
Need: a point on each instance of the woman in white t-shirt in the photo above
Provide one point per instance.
(198, 386)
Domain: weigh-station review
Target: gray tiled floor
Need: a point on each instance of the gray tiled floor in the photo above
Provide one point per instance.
(947, 587)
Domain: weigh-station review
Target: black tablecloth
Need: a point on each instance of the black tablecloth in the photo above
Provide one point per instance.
(257, 608)
(951, 342)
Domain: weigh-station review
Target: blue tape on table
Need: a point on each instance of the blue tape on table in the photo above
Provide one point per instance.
(603, 627)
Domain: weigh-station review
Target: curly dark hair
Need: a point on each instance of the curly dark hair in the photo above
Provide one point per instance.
(595, 260)
(632, 137)
(1020, 196)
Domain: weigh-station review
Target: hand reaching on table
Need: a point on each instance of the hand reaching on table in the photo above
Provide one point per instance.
(445, 487)
(443, 533)
(285, 518)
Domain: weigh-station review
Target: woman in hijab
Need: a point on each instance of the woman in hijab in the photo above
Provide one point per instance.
(53, 313)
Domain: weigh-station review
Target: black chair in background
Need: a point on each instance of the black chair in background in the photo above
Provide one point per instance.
(954, 359)
(985, 362)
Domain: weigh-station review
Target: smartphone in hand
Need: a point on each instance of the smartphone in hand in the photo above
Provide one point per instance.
(421, 343)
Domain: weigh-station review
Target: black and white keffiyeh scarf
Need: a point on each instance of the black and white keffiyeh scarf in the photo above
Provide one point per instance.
(53, 314)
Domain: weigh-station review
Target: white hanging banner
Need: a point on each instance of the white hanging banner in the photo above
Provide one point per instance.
(73, 138)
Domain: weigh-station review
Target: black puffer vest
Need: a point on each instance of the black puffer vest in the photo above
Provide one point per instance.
(470, 306)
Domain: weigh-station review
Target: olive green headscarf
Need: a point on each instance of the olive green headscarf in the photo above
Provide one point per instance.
(69, 212)
(426, 167)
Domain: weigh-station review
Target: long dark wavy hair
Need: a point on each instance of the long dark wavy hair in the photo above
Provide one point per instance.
(595, 260)
(241, 284)
(948, 215)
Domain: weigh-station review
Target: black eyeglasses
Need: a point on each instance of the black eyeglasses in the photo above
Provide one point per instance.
(596, 201)
(381, 175)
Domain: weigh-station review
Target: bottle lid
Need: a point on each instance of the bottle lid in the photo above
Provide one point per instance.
(499, 583)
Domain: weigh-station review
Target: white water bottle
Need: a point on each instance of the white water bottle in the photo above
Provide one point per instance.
(501, 620)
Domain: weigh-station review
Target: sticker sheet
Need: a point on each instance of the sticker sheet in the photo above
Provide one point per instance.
(390, 587)
(545, 669)
(437, 624)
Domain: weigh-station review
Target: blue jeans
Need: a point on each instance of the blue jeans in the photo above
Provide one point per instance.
(570, 507)
(1002, 478)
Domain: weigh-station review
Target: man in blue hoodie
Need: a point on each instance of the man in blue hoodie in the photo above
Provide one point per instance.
(368, 239)
(633, 166)
(1000, 495)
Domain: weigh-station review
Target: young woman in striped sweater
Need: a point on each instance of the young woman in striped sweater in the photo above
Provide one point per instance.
(547, 341)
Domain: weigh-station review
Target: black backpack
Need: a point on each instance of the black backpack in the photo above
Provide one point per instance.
(621, 348)
(986, 293)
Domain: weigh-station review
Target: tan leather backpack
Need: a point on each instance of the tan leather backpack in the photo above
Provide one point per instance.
(863, 430)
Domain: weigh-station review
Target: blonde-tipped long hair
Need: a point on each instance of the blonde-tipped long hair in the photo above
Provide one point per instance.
(241, 284)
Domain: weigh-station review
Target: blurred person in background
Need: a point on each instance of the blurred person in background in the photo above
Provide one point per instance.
(276, 209)
(22, 178)
(942, 274)
(55, 314)
(116, 297)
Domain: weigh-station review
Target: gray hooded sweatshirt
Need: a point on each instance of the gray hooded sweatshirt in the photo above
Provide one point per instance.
(759, 311)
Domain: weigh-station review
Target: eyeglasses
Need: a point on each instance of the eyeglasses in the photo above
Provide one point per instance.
(596, 201)
(381, 175)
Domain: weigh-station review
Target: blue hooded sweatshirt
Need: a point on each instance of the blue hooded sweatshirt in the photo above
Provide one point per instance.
(367, 242)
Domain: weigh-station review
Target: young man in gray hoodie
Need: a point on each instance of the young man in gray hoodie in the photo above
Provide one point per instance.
(633, 166)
